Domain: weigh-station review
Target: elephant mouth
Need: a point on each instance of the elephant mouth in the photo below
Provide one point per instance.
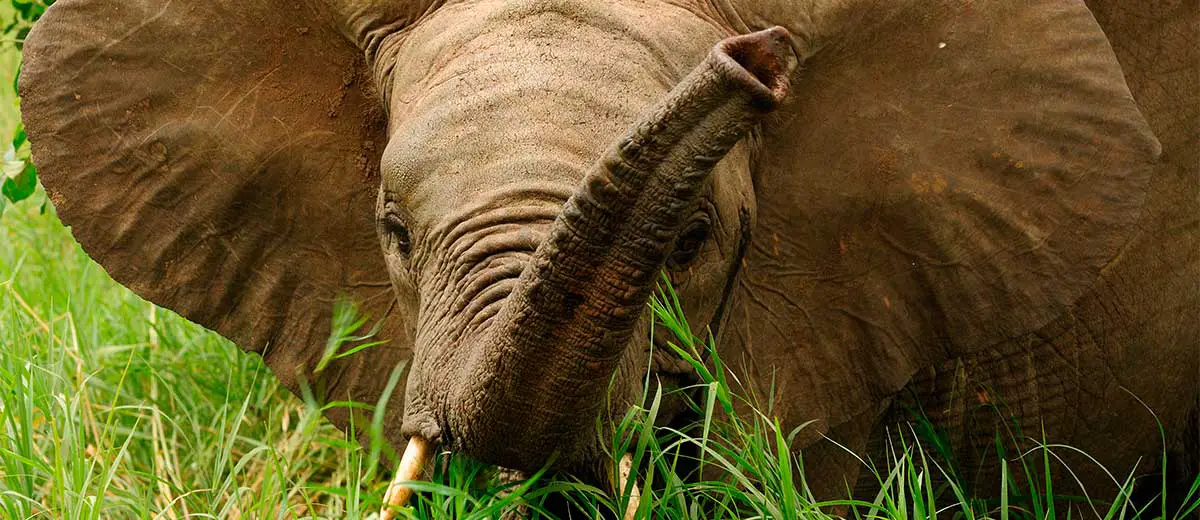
(534, 382)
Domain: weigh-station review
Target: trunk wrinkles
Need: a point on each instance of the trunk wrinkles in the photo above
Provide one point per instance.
(557, 337)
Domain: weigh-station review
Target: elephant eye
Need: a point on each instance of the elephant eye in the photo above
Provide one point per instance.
(397, 232)
(687, 246)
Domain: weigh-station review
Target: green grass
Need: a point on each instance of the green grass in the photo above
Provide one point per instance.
(113, 408)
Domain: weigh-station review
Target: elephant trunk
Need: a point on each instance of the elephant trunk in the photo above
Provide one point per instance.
(538, 377)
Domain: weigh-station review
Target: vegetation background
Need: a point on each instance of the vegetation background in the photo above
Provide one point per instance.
(113, 408)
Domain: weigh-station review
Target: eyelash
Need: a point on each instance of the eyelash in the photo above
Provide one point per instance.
(689, 244)
(394, 226)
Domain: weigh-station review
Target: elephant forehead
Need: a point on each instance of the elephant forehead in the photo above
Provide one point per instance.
(447, 156)
(516, 92)
(677, 36)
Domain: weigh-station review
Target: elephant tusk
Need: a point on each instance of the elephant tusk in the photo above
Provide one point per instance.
(635, 494)
(416, 454)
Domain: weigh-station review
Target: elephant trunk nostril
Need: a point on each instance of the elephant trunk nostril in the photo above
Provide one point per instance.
(767, 56)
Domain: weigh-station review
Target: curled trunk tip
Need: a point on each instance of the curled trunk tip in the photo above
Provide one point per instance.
(582, 293)
(763, 60)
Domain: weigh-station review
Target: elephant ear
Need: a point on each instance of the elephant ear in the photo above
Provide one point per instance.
(946, 175)
(220, 159)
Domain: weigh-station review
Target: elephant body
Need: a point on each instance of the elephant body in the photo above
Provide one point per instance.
(1122, 361)
(1100, 377)
(974, 211)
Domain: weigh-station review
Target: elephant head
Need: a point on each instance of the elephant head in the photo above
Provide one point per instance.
(935, 175)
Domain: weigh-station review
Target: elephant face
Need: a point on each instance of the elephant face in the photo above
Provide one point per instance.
(934, 177)
(474, 180)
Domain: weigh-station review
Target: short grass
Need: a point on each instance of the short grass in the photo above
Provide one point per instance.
(113, 408)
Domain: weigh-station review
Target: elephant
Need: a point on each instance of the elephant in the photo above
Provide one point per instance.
(868, 204)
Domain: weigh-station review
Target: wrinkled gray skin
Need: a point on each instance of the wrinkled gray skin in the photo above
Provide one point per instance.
(477, 203)
(952, 206)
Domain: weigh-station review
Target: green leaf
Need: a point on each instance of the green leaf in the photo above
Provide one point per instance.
(19, 137)
(21, 184)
